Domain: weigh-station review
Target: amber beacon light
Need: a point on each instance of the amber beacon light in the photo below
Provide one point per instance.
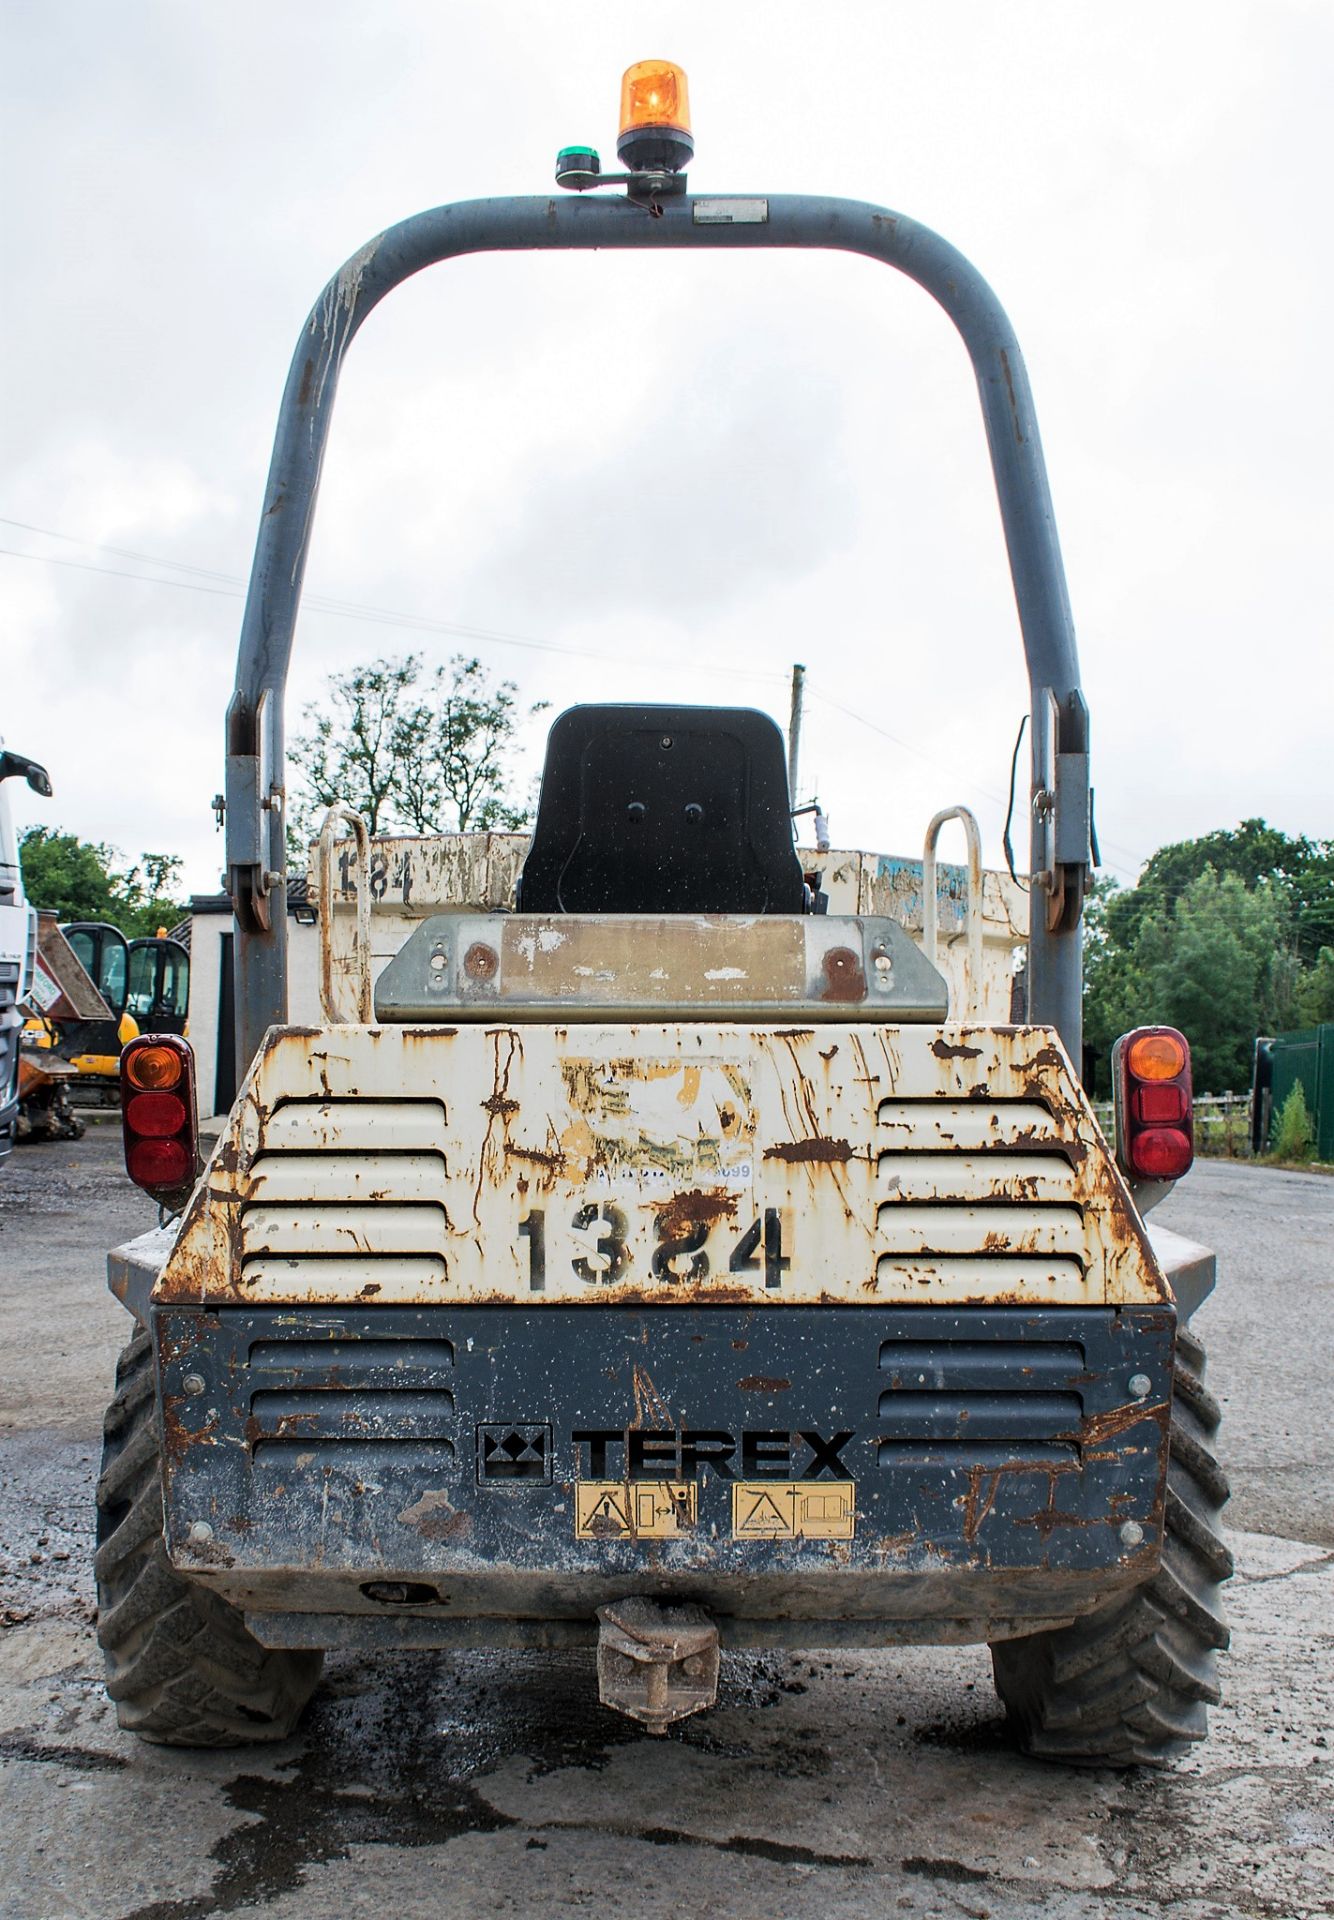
(655, 118)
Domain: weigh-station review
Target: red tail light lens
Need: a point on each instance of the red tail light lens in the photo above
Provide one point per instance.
(158, 1163)
(1159, 1106)
(1154, 1113)
(158, 1116)
(1163, 1153)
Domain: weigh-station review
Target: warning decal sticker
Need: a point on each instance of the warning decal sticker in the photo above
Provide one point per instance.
(793, 1510)
(634, 1509)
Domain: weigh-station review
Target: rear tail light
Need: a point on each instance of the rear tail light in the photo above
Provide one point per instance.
(1155, 1130)
(158, 1116)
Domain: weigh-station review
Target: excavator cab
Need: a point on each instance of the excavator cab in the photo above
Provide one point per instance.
(158, 992)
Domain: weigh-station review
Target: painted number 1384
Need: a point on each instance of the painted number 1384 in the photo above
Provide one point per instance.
(682, 1250)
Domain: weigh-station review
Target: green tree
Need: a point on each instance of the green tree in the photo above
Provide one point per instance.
(1216, 961)
(1301, 869)
(1253, 851)
(1315, 992)
(1294, 1136)
(83, 880)
(1214, 965)
(355, 746)
(413, 752)
(1113, 981)
(148, 895)
(455, 776)
(72, 877)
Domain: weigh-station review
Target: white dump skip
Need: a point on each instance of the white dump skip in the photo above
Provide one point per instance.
(775, 1166)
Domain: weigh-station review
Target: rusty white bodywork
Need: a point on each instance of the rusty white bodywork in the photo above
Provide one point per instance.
(758, 1165)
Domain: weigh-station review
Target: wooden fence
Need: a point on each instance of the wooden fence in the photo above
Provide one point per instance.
(1222, 1124)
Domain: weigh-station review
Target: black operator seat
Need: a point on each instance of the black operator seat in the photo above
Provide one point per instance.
(663, 810)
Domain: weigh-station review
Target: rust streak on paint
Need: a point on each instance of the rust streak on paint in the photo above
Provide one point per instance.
(647, 1395)
(700, 1207)
(553, 1161)
(1101, 1427)
(795, 1152)
(951, 1050)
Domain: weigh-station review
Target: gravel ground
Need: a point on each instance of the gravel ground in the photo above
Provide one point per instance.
(1270, 1332)
(823, 1786)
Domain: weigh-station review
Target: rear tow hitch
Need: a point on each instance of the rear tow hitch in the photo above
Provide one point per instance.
(656, 1663)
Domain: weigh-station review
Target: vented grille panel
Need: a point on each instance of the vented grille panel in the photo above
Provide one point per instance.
(344, 1401)
(981, 1402)
(338, 1281)
(345, 1229)
(962, 1126)
(979, 1192)
(346, 1200)
(373, 1177)
(356, 1126)
(993, 1227)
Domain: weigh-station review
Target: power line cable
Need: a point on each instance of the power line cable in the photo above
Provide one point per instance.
(316, 602)
(851, 713)
(233, 586)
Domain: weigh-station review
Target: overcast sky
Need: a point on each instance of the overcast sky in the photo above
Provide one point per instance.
(1146, 187)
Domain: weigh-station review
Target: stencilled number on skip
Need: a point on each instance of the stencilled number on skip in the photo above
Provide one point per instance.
(680, 1253)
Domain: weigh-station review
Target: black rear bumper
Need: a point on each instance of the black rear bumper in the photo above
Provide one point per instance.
(455, 1476)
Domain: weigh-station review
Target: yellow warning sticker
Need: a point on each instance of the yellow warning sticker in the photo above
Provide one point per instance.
(793, 1510)
(634, 1509)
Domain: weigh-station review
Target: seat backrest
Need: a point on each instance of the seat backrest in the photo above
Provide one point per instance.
(663, 810)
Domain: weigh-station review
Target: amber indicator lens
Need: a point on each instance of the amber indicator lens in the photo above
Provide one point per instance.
(157, 1067)
(1156, 1056)
(654, 94)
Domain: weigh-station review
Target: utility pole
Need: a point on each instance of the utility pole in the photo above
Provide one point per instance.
(794, 732)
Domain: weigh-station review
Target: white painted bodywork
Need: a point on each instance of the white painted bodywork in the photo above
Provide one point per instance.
(901, 1164)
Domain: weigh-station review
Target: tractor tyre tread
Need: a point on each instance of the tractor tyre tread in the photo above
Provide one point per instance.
(1131, 1683)
(181, 1665)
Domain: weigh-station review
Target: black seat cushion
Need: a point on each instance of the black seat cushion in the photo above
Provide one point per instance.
(663, 810)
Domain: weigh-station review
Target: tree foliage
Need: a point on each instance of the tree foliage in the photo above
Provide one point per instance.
(413, 750)
(1220, 938)
(85, 880)
(1301, 870)
(1294, 1136)
(1315, 991)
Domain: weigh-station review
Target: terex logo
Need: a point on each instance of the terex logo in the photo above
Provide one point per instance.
(648, 1453)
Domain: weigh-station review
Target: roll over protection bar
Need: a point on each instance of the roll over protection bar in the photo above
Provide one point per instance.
(255, 785)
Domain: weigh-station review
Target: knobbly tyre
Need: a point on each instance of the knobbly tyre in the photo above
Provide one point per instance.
(657, 1266)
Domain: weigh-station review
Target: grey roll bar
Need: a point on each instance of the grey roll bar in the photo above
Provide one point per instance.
(255, 784)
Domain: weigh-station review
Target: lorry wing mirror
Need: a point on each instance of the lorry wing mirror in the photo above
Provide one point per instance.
(37, 777)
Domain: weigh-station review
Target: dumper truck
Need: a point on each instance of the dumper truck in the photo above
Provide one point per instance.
(662, 1266)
